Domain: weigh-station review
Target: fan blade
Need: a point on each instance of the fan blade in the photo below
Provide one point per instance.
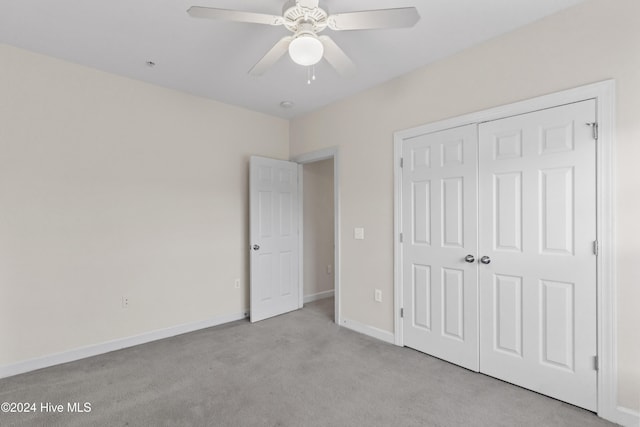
(370, 19)
(337, 58)
(234, 15)
(271, 57)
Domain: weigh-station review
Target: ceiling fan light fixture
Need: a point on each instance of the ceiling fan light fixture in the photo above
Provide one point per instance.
(306, 49)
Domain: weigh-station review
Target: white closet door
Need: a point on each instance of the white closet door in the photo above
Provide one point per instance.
(439, 226)
(537, 226)
(273, 229)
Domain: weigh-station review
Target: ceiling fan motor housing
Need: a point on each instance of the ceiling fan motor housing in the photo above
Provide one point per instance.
(297, 16)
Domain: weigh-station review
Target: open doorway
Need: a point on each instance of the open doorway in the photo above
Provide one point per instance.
(320, 269)
(318, 242)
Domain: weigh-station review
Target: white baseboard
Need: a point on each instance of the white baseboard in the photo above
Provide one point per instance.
(106, 347)
(380, 334)
(625, 417)
(319, 295)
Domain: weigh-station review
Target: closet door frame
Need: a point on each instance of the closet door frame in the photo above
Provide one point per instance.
(604, 95)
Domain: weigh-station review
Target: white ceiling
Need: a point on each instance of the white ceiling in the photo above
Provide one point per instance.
(211, 58)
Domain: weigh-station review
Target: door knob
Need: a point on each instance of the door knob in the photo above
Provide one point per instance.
(256, 247)
(485, 260)
(469, 258)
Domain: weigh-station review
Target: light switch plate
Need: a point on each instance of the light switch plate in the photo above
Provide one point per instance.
(358, 233)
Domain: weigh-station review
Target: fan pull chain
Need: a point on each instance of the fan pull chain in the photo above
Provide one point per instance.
(311, 74)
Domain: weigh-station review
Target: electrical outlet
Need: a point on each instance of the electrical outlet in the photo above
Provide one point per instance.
(237, 284)
(358, 233)
(377, 295)
(329, 269)
(125, 302)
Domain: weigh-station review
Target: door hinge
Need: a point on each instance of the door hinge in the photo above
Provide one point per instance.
(401, 162)
(595, 247)
(402, 312)
(594, 127)
(595, 363)
(401, 238)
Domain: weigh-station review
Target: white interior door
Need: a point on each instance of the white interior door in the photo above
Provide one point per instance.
(439, 227)
(537, 228)
(273, 200)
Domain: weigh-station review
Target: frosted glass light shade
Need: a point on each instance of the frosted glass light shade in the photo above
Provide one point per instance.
(306, 50)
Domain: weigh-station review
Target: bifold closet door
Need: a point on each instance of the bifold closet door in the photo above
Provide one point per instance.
(439, 226)
(537, 227)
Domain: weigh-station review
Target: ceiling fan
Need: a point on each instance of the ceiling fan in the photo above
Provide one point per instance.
(305, 19)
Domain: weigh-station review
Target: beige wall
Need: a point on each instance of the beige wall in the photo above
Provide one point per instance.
(112, 187)
(597, 40)
(318, 226)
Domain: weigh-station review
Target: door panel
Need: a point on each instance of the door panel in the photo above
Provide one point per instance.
(507, 293)
(453, 303)
(273, 227)
(537, 224)
(452, 213)
(439, 221)
(507, 235)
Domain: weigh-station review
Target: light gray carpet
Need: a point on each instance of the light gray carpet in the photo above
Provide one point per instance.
(298, 369)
